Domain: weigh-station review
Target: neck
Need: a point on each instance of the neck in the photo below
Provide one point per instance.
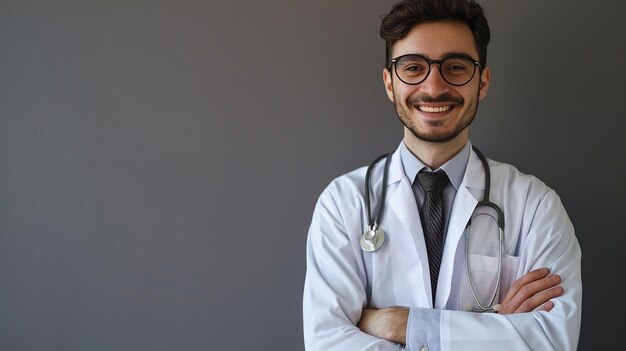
(434, 155)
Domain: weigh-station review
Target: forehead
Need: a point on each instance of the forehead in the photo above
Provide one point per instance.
(435, 39)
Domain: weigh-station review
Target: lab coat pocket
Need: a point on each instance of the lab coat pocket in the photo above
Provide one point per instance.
(483, 271)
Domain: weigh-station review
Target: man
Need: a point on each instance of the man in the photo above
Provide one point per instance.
(417, 288)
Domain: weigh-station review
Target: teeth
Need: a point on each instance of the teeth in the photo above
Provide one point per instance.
(434, 109)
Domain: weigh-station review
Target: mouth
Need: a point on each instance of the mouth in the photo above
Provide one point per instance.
(434, 109)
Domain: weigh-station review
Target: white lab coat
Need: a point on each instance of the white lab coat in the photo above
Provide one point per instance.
(341, 279)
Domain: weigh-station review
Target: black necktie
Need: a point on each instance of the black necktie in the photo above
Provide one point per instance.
(433, 220)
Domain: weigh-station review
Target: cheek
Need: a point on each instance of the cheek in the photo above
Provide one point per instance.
(403, 94)
(472, 96)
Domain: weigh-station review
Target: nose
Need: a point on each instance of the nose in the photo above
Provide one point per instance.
(434, 84)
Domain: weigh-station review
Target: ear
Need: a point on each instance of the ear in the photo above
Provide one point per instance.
(485, 77)
(387, 80)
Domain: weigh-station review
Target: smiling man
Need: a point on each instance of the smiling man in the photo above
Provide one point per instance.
(413, 252)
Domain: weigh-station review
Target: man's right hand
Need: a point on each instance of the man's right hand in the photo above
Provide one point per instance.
(534, 289)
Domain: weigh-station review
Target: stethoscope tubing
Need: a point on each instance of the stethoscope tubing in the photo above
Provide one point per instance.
(373, 225)
(369, 242)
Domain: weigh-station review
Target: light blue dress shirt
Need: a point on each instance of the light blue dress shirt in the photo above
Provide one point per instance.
(454, 168)
(423, 323)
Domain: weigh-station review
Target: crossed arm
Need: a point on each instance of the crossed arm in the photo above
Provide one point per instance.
(335, 295)
(531, 291)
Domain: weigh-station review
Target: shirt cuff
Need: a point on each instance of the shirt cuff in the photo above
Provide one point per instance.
(422, 330)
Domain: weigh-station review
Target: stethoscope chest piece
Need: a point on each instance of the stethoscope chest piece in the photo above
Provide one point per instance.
(372, 239)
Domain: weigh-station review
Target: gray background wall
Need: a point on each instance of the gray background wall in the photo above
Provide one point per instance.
(159, 160)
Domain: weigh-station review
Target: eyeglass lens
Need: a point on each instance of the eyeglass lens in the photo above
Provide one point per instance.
(413, 69)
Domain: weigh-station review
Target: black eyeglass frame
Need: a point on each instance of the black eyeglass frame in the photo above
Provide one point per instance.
(430, 64)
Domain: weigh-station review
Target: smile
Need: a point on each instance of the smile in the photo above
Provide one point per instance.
(434, 109)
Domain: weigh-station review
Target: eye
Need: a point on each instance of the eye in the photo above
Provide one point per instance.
(412, 65)
(458, 66)
(413, 68)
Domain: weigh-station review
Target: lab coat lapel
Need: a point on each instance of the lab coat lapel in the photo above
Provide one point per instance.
(402, 203)
(462, 209)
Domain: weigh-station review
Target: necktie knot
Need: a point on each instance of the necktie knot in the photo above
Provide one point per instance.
(432, 181)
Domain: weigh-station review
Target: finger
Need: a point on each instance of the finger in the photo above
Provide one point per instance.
(524, 280)
(547, 306)
(540, 299)
(529, 290)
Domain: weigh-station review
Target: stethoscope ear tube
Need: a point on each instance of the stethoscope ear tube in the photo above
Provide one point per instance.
(490, 306)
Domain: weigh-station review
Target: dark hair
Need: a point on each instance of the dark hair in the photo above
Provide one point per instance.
(408, 13)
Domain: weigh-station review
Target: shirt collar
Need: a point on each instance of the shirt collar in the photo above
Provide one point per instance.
(454, 168)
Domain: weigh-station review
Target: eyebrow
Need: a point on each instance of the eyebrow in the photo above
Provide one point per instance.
(445, 55)
(449, 54)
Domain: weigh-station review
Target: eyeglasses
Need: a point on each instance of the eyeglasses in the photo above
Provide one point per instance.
(456, 70)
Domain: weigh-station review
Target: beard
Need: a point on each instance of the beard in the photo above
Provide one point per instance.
(436, 137)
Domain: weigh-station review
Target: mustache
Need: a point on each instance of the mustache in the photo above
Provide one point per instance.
(445, 97)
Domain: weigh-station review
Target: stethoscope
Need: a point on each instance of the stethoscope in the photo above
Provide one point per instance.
(374, 237)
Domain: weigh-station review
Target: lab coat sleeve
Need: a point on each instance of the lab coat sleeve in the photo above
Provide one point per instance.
(335, 283)
(550, 242)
